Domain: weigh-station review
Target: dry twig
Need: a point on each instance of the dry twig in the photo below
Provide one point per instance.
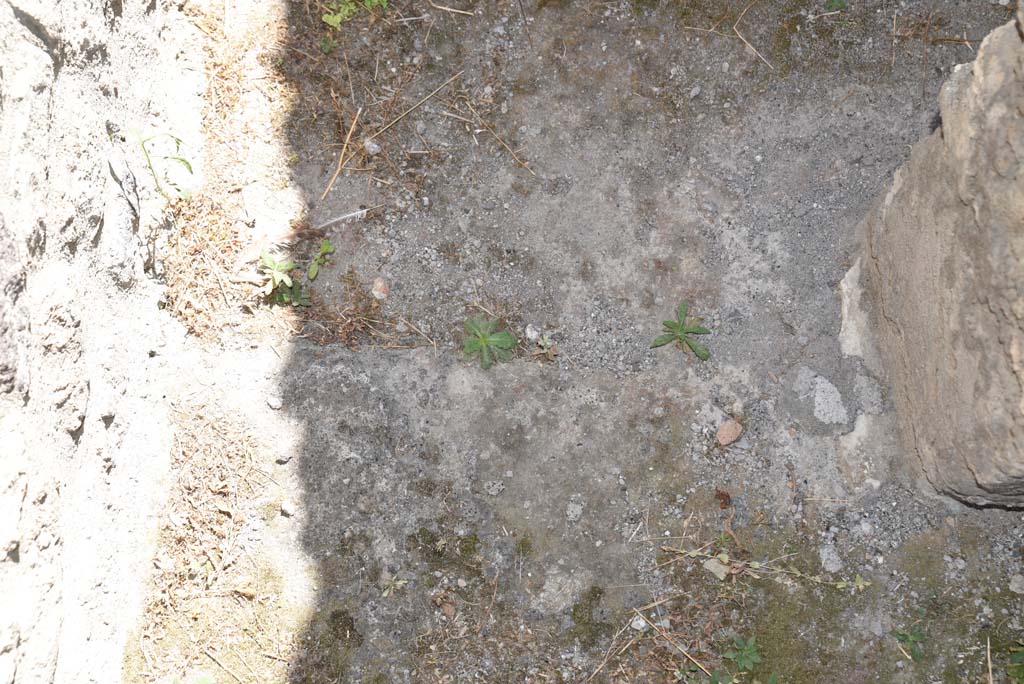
(449, 9)
(664, 635)
(735, 30)
(414, 107)
(502, 142)
(341, 157)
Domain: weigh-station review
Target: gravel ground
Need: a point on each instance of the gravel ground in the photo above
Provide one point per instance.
(578, 181)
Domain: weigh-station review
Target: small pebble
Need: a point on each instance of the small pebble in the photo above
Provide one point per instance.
(371, 147)
(830, 560)
(275, 402)
(1017, 584)
(287, 508)
(729, 432)
(380, 289)
(574, 511)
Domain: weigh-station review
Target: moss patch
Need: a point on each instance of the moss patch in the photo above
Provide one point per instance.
(589, 628)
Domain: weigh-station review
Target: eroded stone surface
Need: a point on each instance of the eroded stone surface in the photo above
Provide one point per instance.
(946, 248)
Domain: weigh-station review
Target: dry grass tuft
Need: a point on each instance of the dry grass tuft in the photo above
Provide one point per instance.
(359, 320)
(209, 257)
(199, 293)
(212, 604)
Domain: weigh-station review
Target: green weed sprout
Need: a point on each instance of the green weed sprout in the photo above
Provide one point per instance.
(326, 249)
(681, 332)
(483, 339)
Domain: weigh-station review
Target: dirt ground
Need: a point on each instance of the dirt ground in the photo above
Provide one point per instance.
(399, 514)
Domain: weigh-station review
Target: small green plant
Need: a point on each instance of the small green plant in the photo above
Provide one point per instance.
(1015, 666)
(719, 677)
(390, 584)
(280, 286)
(835, 5)
(912, 639)
(745, 654)
(327, 45)
(858, 583)
(175, 157)
(326, 249)
(681, 332)
(483, 339)
(340, 11)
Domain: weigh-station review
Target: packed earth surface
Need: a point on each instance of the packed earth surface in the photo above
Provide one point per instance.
(352, 498)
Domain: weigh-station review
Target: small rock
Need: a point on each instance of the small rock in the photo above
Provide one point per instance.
(1017, 584)
(830, 559)
(694, 92)
(532, 334)
(380, 289)
(371, 147)
(494, 487)
(639, 624)
(283, 458)
(574, 511)
(275, 402)
(729, 432)
(461, 582)
(717, 568)
(287, 508)
(828, 403)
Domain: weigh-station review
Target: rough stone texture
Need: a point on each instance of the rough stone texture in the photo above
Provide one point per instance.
(84, 425)
(947, 272)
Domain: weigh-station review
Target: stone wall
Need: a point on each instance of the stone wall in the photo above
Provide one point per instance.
(946, 265)
(84, 348)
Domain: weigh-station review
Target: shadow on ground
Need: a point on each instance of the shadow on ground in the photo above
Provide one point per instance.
(577, 181)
